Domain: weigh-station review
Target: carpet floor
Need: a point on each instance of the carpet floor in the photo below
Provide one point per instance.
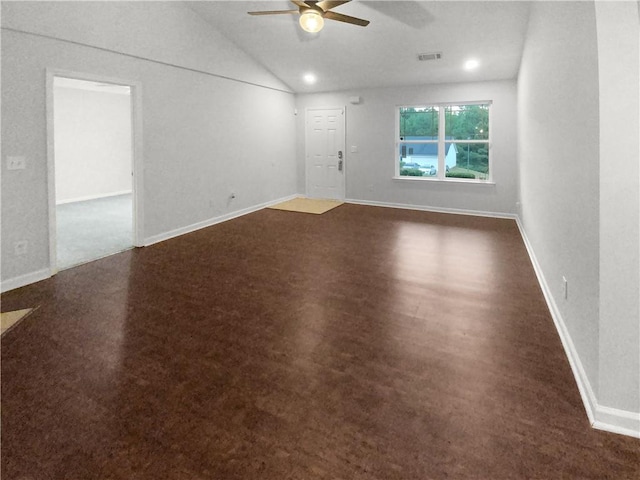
(93, 229)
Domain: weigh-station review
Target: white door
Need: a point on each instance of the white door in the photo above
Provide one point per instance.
(325, 153)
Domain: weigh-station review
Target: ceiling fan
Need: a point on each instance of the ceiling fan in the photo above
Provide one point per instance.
(313, 13)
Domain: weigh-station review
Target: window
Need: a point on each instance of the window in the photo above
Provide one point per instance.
(446, 141)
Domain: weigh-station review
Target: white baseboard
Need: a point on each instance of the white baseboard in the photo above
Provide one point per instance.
(617, 421)
(600, 417)
(456, 211)
(26, 279)
(93, 197)
(584, 386)
(212, 221)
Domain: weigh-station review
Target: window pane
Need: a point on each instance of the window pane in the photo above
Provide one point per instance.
(418, 159)
(467, 122)
(419, 123)
(468, 160)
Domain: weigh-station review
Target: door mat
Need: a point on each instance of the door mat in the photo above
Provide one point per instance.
(307, 205)
(9, 319)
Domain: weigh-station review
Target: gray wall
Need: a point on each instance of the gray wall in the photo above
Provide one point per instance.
(558, 146)
(371, 127)
(92, 143)
(618, 29)
(578, 136)
(202, 134)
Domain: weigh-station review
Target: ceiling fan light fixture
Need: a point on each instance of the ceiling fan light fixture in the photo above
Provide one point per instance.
(311, 21)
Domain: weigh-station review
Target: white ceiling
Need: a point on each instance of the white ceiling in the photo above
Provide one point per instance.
(344, 56)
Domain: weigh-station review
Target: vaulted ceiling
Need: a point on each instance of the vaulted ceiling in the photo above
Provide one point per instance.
(344, 56)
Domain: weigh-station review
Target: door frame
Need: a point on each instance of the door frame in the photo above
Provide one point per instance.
(344, 151)
(136, 154)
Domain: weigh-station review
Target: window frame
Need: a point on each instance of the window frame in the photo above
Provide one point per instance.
(442, 141)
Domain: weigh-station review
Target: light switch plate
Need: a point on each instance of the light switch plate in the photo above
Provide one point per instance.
(354, 149)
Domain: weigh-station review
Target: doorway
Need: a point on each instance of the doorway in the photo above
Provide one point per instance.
(92, 158)
(325, 157)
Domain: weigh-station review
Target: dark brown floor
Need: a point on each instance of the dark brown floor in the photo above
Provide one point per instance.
(365, 343)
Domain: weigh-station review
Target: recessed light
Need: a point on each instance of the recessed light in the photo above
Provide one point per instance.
(471, 64)
(309, 78)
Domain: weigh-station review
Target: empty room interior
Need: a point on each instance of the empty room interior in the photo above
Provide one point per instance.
(92, 151)
(463, 304)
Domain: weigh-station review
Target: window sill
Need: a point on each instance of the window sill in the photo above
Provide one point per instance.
(443, 180)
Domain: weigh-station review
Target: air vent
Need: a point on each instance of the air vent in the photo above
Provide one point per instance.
(429, 56)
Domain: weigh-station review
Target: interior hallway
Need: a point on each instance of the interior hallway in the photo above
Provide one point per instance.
(364, 343)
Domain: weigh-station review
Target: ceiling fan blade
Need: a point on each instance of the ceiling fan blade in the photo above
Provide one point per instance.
(346, 19)
(273, 12)
(326, 5)
(301, 4)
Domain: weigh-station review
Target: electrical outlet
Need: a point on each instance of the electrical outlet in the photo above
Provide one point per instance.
(16, 163)
(565, 288)
(20, 247)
